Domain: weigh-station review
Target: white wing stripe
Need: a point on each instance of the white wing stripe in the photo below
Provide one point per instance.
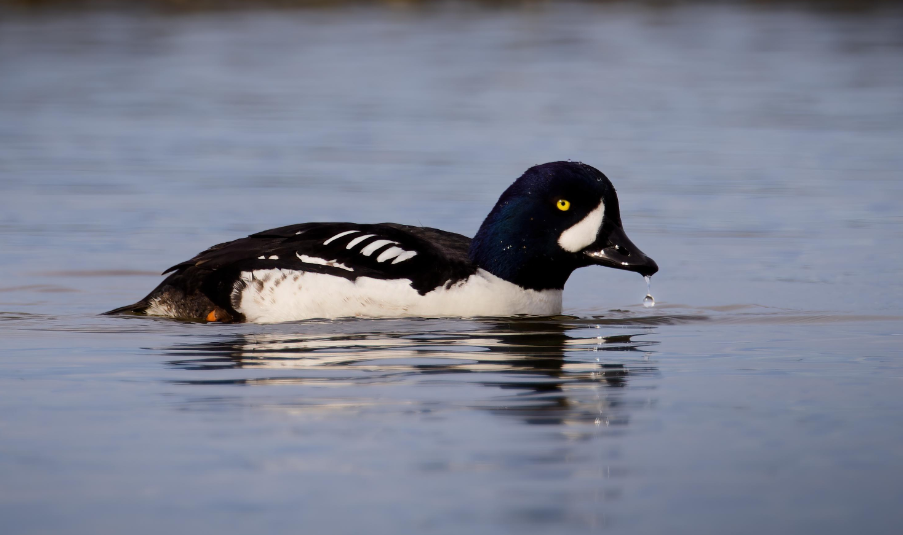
(358, 240)
(339, 235)
(370, 249)
(391, 252)
(310, 259)
(406, 255)
(319, 261)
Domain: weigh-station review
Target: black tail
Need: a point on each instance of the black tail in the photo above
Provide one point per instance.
(136, 308)
(183, 295)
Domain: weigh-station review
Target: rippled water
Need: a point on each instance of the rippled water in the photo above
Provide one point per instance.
(757, 156)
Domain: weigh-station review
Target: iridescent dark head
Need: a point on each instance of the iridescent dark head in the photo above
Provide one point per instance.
(556, 218)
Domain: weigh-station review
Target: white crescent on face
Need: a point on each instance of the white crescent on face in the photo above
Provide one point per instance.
(582, 234)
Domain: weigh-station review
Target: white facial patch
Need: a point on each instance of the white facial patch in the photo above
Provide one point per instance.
(583, 233)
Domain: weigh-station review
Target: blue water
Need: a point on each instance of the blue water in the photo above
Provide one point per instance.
(757, 156)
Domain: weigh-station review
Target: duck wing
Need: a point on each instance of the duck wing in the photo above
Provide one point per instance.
(427, 257)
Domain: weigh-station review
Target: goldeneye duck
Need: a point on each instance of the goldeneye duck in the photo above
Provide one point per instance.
(556, 218)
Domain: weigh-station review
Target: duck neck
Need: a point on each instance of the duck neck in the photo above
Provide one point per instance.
(519, 260)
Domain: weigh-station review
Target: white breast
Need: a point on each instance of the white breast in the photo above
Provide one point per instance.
(276, 295)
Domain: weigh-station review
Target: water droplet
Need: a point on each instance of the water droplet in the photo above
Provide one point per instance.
(648, 301)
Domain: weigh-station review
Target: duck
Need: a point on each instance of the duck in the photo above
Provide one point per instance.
(555, 218)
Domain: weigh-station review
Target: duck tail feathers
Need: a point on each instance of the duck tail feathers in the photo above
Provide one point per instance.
(136, 308)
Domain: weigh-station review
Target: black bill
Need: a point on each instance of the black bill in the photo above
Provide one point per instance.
(614, 249)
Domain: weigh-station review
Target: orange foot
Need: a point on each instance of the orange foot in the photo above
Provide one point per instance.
(219, 314)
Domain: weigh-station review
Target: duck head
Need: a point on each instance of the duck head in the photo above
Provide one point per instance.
(555, 218)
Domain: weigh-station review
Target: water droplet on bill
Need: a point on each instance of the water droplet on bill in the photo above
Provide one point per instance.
(648, 301)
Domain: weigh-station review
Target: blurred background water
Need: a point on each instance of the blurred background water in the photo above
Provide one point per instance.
(757, 151)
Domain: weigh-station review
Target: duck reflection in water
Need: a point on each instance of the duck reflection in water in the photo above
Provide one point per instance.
(547, 371)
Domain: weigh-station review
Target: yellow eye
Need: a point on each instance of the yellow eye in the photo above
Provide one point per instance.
(564, 205)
